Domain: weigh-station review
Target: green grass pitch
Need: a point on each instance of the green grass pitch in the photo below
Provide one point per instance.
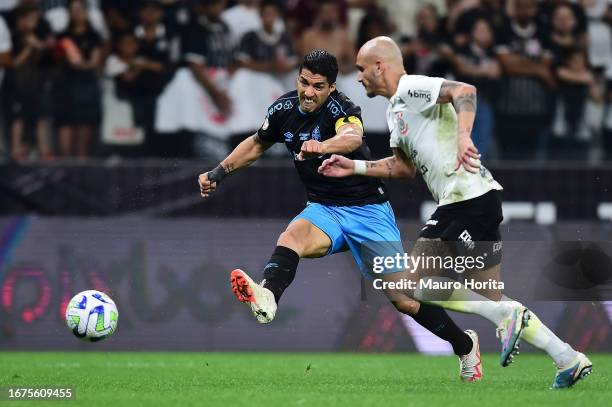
(295, 379)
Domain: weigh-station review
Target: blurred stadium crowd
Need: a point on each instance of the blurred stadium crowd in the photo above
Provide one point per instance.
(543, 68)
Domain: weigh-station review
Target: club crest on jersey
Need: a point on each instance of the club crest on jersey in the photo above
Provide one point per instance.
(401, 123)
(316, 134)
(288, 136)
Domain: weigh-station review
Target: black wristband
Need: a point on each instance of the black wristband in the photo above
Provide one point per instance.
(217, 174)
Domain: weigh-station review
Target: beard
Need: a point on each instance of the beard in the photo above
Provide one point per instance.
(369, 92)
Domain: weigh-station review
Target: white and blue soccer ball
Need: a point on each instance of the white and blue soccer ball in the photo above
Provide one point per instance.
(92, 316)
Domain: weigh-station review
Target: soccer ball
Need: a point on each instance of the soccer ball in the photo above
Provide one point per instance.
(92, 316)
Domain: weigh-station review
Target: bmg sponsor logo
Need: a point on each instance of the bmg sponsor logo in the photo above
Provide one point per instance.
(420, 94)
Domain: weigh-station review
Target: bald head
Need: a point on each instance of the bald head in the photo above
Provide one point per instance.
(380, 66)
(382, 49)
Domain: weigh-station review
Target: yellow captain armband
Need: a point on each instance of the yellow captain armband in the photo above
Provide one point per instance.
(348, 120)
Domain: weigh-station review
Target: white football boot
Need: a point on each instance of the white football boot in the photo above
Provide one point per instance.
(577, 369)
(260, 299)
(470, 365)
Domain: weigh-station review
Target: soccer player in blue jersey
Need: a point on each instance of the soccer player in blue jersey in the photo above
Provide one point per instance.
(315, 121)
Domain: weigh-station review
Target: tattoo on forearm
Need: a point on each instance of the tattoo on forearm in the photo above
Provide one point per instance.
(389, 163)
(448, 87)
(466, 102)
(446, 91)
(228, 167)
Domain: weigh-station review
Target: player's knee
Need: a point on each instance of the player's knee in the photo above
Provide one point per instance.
(406, 306)
(289, 239)
(306, 240)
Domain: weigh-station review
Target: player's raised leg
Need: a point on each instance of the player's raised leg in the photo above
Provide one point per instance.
(300, 239)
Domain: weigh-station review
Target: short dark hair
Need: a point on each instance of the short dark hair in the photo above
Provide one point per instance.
(71, 2)
(321, 62)
(271, 3)
(144, 4)
(25, 9)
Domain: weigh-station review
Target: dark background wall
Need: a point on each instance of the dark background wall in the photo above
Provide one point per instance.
(268, 190)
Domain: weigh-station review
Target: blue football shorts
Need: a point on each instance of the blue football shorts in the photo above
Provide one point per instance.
(368, 231)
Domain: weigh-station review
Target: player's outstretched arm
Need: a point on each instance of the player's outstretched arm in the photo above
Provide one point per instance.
(396, 166)
(463, 98)
(348, 138)
(243, 155)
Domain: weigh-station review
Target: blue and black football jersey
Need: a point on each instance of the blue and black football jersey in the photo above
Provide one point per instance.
(286, 123)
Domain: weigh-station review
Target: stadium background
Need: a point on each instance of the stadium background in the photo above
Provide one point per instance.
(126, 217)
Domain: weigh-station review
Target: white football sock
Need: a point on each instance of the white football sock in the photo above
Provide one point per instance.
(536, 333)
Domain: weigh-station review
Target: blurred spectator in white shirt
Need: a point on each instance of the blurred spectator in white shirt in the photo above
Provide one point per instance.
(207, 45)
(8, 5)
(242, 18)
(5, 47)
(267, 49)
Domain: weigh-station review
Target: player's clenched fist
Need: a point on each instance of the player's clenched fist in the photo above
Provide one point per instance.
(206, 185)
(337, 166)
(311, 149)
(209, 180)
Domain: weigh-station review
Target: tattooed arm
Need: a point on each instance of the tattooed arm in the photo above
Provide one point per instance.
(463, 98)
(396, 166)
(243, 155)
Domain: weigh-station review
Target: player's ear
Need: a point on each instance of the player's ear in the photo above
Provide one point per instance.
(380, 67)
(332, 87)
